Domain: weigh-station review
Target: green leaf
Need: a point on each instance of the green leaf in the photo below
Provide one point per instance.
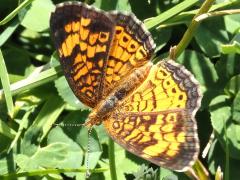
(113, 5)
(36, 17)
(3, 167)
(236, 108)
(25, 162)
(227, 66)
(233, 47)
(217, 157)
(204, 71)
(48, 157)
(233, 86)
(95, 150)
(19, 67)
(74, 157)
(227, 131)
(6, 130)
(54, 61)
(200, 66)
(22, 126)
(67, 95)
(42, 124)
(220, 113)
(167, 174)
(124, 165)
(102, 134)
(8, 31)
(43, 118)
(161, 37)
(51, 155)
(146, 173)
(72, 128)
(209, 37)
(123, 5)
(232, 23)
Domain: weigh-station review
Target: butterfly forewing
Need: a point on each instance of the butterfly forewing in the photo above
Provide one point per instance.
(132, 47)
(82, 36)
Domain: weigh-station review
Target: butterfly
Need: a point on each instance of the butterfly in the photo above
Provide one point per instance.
(149, 109)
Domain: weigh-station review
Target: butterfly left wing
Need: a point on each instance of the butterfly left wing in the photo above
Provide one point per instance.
(157, 121)
(82, 36)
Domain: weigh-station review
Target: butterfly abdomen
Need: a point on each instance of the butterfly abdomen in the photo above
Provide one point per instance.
(104, 109)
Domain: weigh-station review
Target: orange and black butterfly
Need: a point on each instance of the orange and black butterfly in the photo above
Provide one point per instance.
(147, 109)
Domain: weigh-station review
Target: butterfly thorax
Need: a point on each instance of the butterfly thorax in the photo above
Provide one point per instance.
(107, 106)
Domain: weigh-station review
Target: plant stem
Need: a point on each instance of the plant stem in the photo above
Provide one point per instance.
(200, 170)
(48, 171)
(226, 170)
(187, 37)
(111, 156)
(217, 13)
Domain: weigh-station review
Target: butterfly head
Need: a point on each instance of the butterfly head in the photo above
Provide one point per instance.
(92, 120)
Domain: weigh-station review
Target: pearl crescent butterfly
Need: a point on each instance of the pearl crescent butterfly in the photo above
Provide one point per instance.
(147, 109)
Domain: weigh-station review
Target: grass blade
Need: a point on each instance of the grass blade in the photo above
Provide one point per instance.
(32, 82)
(170, 13)
(6, 85)
(15, 12)
(8, 31)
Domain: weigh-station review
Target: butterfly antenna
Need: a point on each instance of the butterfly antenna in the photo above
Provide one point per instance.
(88, 144)
(67, 125)
(88, 152)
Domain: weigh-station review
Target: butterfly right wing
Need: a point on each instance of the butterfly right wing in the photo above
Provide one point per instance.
(132, 47)
(157, 122)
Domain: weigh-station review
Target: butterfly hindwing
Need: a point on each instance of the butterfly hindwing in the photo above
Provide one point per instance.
(157, 121)
(168, 86)
(166, 138)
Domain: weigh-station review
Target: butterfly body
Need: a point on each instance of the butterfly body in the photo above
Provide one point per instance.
(109, 104)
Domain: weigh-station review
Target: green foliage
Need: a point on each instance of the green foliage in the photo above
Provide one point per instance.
(36, 16)
(40, 119)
